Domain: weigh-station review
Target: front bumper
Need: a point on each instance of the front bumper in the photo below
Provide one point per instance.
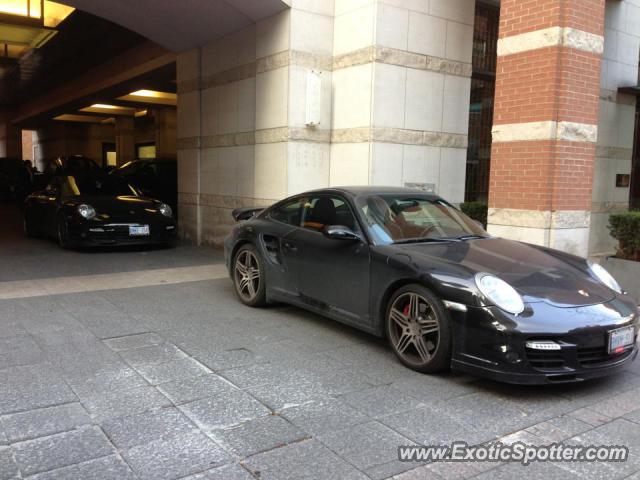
(491, 343)
(101, 234)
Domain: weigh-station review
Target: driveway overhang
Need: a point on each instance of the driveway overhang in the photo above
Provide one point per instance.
(182, 25)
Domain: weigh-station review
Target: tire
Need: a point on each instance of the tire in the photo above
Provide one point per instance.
(421, 338)
(28, 229)
(249, 276)
(62, 233)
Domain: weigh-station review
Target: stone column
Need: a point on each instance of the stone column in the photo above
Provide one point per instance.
(165, 132)
(545, 121)
(125, 139)
(10, 139)
(401, 83)
(188, 145)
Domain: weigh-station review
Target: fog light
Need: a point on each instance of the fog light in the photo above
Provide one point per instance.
(542, 345)
(512, 357)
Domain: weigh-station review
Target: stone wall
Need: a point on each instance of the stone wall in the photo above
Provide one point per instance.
(394, 106)
(616, 119)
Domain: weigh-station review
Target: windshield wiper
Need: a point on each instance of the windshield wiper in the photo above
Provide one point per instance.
(425, 240)
(469, 237)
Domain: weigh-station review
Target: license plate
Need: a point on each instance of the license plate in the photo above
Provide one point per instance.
(138, 231)
(620, 338)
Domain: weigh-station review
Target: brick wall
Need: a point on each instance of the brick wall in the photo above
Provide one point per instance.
(556, 83)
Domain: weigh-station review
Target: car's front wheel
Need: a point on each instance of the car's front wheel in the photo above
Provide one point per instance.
(418, 329)
(249, 276)
(28, 229)
(63, 233)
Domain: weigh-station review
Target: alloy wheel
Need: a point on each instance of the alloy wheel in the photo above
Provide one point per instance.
(414, 328)
(247, 275)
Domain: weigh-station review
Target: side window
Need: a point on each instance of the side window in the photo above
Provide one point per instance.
(289, 213)
(325, 210)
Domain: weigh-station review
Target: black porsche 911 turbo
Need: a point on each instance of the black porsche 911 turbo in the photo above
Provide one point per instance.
(407, 265)
(90, 210)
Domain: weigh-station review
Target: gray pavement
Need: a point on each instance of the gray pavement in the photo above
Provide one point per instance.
(181, 381)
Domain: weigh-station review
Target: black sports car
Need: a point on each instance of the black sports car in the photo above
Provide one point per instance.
(409, 266)
(97, 210)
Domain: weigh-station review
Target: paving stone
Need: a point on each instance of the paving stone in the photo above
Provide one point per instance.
(44, 421)
(489, 414)
(589, 416)
(431, 389)
(153, 355)
(618, 405)
(381, 401)
(236, 357)
(145, 427)
(120, 403)
(323, 415)
(175, 457)
(104, 468)
(224, 411)
(258, 435)
(173, 370)
(134, 341)
(371, 447)
(19, 350)
(11, 328)
(259, 374)
(289, 393)
(104, 378)
(534, 471)
(32, 386)
(8, 467)
(302, 461)
(427, 426)
(183, 391)
(227, 472)
(61, 450)
(559, 428)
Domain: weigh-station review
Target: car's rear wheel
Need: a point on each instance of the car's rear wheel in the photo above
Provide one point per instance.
(418, 329)
(249, 277)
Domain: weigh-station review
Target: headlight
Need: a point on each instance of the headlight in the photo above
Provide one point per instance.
(86, 211)
(165, 210)
(500, 293)
(605, 277)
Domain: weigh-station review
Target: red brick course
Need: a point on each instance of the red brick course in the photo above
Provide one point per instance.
(546, 84)
(541, 175)
(521, 16)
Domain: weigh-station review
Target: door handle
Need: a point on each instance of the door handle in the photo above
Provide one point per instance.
(290, 246)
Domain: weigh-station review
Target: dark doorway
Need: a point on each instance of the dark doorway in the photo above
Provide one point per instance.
(483, 83)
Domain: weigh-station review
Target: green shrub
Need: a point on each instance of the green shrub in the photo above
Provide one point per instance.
(625, 227)
(475, 210)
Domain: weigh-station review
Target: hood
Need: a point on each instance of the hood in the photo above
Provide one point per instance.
(120, 207)
(536, 274)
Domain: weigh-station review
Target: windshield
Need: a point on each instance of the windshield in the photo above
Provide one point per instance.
(405, 218)
(97, 186)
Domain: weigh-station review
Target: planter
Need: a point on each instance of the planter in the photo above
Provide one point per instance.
(627, 273)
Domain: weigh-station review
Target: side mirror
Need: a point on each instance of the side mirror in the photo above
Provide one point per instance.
(480, 224)
(340, 232)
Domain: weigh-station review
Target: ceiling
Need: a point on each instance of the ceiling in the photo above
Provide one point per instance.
(184, 24)
(79, 46)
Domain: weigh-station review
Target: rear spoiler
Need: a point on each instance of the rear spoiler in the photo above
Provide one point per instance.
(245, 213)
